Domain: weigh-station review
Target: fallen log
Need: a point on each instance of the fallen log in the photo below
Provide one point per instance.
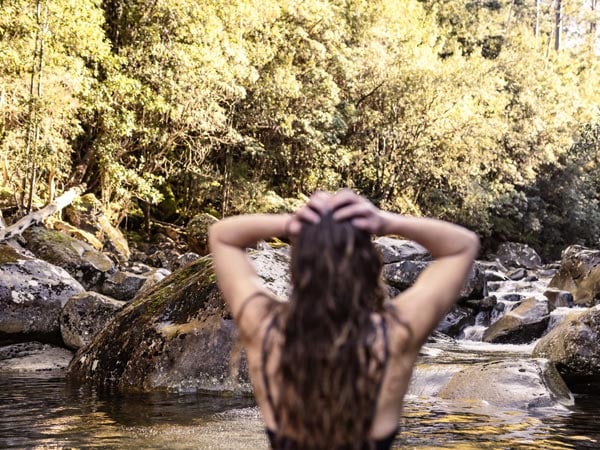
(37, 216)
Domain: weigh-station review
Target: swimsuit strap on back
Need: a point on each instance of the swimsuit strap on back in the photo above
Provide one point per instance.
(264, 367)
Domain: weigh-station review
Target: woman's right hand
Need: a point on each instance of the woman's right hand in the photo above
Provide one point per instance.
(348, 205)
(311, 212)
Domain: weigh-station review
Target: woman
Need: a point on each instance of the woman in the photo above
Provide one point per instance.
(331, 366)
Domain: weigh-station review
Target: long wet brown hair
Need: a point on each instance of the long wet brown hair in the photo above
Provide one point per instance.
(329, 370)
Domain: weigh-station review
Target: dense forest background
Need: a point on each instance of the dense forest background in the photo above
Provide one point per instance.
(483, 112)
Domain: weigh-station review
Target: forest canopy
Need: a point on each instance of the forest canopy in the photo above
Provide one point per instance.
(483, 112)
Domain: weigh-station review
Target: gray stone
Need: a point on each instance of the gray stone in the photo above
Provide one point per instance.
(32, 294)
(573, 345)
(178, 335)
(33, 357)
(403, 274)
(517, 274)
(84, 316)
(86, 264)
(123, 285)
(524, 324)
(513, 254)
(579, 274)
(456, 320)
(493, 275)
(152, 278)
(557, 298)
(510, 384)
(396, 250)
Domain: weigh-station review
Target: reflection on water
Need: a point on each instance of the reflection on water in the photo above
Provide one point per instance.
(436, 424)
(42, 412)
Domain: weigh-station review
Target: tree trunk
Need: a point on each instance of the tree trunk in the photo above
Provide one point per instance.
(536, 27)
(37, 216)
(558, 25)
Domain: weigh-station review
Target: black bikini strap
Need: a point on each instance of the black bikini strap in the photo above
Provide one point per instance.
(252, 296)
(264, 368)
(386, 348)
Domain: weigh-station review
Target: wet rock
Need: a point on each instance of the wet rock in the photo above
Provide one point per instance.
(87, 213)
(513, 254)
(557, 298)
(153, 278)
(524, 324)
(517, 274)
(197, 232)
(167, 259)
(428, 379)
(510, 384)
(456, 320)
(484, 304)
(33, 357)
(579, 274)
(401, 275)
(475, 286)
(81, 260)
(511, 297)
(177, 336)
(84, 316)
(573, 346)
(396, 250)
(123, 285)
(493, 275)
(139, 268)
(32, 294)
(186, 258)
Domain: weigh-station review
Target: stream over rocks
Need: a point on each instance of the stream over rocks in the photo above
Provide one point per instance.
(172, 332)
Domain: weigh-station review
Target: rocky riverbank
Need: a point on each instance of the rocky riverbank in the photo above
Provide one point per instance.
(151, 317)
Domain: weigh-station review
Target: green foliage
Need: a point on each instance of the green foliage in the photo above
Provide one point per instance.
(461, 110)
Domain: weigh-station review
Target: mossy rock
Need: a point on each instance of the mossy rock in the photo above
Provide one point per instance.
(87, 265)
(197, 232)
(87, 213)
(579, 274)
(177, 335)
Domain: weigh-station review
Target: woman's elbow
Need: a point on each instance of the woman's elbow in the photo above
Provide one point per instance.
(213, 235)
(473, 243)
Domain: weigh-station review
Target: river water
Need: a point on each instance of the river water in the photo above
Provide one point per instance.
(41, 411)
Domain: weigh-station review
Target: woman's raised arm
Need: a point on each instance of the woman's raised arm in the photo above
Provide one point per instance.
(453, 248)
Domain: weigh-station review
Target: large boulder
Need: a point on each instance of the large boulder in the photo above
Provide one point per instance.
(396, 250)
(84, 316)
(557, 298)
(513, 254)
(32, 294)
(456, 320)
(579, 274)
(524, 324)
(178, 335)
(573, 346)
(518, 384)
(123, 285)
(401, 275)
(86, 264)
(33, 357)
(87, 213)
